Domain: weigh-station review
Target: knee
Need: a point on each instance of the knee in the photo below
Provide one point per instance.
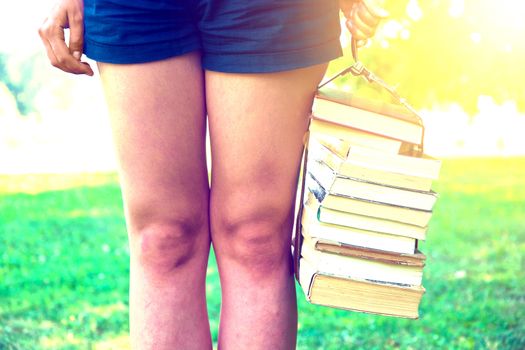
(256, 235)
(167, 244)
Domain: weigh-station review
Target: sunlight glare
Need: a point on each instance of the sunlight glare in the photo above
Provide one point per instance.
(414, 10)
(405, 34)
(391, 29)
(475, 37)
(457, 8)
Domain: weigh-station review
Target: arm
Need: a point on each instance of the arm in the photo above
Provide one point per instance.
(65, 14)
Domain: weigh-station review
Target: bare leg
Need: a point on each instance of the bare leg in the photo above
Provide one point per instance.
(257, 124)
(158, 119)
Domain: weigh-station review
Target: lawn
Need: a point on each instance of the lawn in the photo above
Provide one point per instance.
(64, 267)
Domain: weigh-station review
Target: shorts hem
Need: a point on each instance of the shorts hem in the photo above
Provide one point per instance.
(119, 54)
(272, 61)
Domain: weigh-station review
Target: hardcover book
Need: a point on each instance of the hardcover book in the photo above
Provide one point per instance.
(319, 196)
(383, 119)
(415, 173)
(337, 184)
(325, 288)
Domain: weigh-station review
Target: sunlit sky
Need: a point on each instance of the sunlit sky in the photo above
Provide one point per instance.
(59, 137)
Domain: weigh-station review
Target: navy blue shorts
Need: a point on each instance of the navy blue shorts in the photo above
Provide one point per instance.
(236, 36)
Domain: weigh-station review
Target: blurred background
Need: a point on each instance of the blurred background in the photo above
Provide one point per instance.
(63, 252)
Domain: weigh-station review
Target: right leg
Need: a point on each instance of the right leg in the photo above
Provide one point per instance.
(158, 120)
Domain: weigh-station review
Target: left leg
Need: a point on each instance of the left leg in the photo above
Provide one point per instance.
(257, 124)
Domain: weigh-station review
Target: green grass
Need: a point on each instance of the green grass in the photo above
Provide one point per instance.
(64, 267)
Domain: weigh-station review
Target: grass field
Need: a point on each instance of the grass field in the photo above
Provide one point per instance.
(63, 268)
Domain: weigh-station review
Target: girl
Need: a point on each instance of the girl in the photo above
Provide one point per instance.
(250, 68)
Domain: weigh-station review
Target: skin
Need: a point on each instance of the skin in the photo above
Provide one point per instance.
(256, 132)
(360, 21)
(257, 123)
(159, 139)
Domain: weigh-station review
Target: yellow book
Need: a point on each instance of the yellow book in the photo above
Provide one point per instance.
(359, 268)
(396, 170)
(313, 228)
(363, 222)
(347, 204)
(324, 288)
(354, 136)
(334, 183)
(384, 119)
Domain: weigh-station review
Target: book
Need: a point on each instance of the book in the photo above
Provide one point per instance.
(366, 200)
(324, 245)
(354, 136)
(337, 184)
(325, 288)
(367, 164)
(363, 222)
(352, 236)
(421, 166)
(384, 119)
(359, 268)
(366, 207)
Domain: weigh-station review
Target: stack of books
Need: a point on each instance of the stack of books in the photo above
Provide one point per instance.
(367, 201)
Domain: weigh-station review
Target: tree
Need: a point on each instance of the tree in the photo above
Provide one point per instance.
(20, 80)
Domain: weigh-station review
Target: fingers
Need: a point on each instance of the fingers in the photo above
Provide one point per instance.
(363, 14)
(361, 24)
(359, 32)
(66, 61)
(49, 51)
(52, 34)
(360, 21)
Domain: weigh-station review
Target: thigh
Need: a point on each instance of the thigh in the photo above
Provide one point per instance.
(257, 124)
(157, 114)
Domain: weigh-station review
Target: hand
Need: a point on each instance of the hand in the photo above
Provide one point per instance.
(65, 14)
(362, 17)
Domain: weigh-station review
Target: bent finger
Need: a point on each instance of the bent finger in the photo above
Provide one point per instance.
(358, 33)
(42, 32)
(365, 16)
(50, 54)
(375, 9)
(66, 60)
(364, 27)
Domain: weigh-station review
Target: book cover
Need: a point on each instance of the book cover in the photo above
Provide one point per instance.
(356, 267)
(365, 207)
(390, 169)
(311, 227)
(388, 299)
(337, 184)
(379, 118)
(328, 246)
(368, 223)
(354, 136)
